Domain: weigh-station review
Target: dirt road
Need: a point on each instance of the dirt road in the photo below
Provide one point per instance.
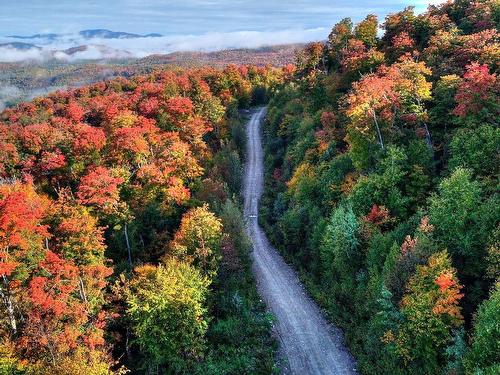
(309, 343)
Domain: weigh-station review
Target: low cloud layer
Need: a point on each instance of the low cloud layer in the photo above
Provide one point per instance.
(8, 93)
(190, 25)
(98, 49)
(11, 95)
(187, 16)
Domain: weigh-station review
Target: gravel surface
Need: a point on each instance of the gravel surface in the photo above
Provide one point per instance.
(308, 344)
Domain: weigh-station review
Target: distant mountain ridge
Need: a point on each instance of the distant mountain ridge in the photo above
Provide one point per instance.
(107, 45)
(108, 34)
(35, 36)
(20, 82)
(20, 46)
(89, 34)
(86, 44)
(106, 52)
(89, 51)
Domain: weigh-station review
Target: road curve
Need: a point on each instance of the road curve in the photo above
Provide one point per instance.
(309, 343)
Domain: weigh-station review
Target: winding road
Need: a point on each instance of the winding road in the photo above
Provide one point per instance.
(308, 343)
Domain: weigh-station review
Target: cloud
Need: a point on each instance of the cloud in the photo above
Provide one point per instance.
(8, 54)
(9, 91)
(140, 47)
(7, 94)
(188, 25)
(217, 41)
(10, 94)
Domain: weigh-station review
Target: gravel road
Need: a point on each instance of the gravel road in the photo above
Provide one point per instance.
(308, 344)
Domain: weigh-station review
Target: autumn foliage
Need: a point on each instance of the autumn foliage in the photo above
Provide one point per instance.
(106, 171)
(382, 185)
(121, 241)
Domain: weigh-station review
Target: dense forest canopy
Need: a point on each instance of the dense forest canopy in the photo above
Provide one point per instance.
(382, 160)
(122, 244)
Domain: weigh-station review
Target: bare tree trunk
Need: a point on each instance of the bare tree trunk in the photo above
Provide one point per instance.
(83, 294)
(428, 138)
(142, 241)
(125, 232)
(380, 140)
(127, 344)
(9, 306)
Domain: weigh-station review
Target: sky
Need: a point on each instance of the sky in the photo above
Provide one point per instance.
(187, 25)
(185, 16)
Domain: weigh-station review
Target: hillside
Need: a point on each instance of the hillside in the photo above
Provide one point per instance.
(382, 169)
(119, 192)
(87, 34)
(27, 80)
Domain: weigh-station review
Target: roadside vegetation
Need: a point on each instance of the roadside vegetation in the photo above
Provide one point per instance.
(122, 244)
(382, 166)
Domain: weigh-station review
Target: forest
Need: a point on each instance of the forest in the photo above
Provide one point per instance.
(122, 245)
(382, 167)
(22, 82)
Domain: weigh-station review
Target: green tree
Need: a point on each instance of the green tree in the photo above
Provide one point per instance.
(198, 240)
(483, 355)
(431, 310)
(340, 242)
(477, 149)
(452, 212)
(366, 30)
(464, 222)
(167, 314)
(385, 187)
